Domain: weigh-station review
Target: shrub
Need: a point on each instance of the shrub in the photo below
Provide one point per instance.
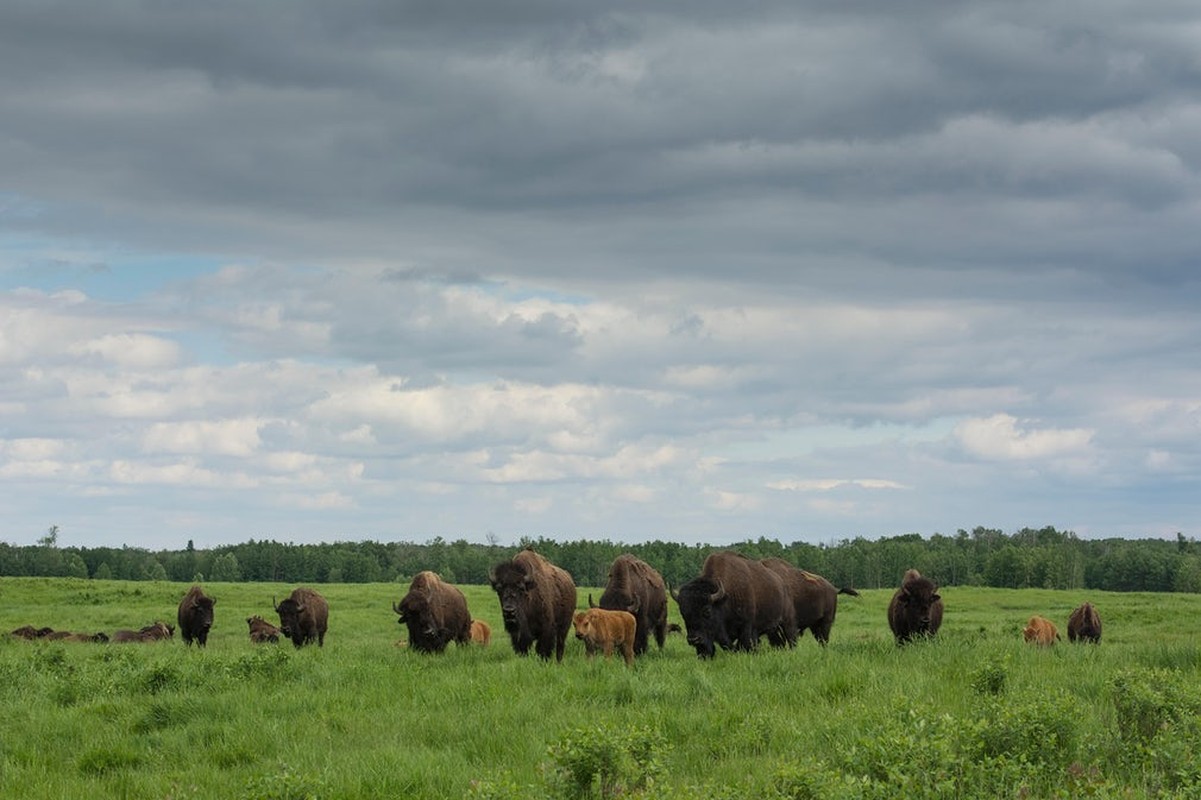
(604, 762)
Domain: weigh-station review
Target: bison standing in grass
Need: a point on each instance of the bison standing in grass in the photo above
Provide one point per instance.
(636, 587)
(435, 613)
(733, 602)
(1084, 625)
(537, 600)
(604, 630)
(915, 609)
(195, 616)
(481, 632)
(1040, 631)
(303, 617)
(814, 599)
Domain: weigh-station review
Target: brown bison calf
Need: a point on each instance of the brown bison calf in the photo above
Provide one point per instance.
(1084, 625)
(261, 630)
(602, 629)
(1040, 631)
(481, 632)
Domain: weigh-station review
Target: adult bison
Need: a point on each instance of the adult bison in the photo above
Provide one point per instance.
(1040, 631)
(303, 616)
(1084, 625)
(604, 629)
(537, 600)
(733, 602)
(435, 613)
(154, 632)
(915, 608)
(262, 631)
(814, 599)
(195, 616)
(636, 587)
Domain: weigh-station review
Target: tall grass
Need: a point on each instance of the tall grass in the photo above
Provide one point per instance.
(974, 713)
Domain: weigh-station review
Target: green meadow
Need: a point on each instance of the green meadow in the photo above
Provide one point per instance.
(973, 713)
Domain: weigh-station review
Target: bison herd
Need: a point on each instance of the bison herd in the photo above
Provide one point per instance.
(732, 604)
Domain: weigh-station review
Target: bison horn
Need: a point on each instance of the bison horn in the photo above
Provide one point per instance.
(719, 595)
(396, 609)
(634, 606)
(492, 577)
(674, 594)
(273, 603)
(590, 603)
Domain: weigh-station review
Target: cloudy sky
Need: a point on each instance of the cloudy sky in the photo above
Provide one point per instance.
(698, 272)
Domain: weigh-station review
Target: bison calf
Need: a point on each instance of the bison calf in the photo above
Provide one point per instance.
(1084, 625)
(481, 632)
(604, 630)
(1040, 631)
(261, 630)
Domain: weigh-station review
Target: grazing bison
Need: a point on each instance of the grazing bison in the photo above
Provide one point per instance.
(915, 608)
(303, 616)
(603, 629)
(151, 633)
(30, 632)
(636, 587)
(435, 612)
(195, 616)
(1040, 631)
(481, 632)
(733, 602)
(262, 631)
(814, 599)
(537, 600)
(1084, 625)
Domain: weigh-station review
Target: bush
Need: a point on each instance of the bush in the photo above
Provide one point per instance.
(604, 762)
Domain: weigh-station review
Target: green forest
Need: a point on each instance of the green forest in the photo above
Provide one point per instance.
(1043, 558)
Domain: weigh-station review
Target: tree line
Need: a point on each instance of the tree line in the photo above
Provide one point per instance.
(1030, 558)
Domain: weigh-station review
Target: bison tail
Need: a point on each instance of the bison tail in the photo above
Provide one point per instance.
(848, 590)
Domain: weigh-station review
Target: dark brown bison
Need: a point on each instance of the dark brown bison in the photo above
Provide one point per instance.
(814, 599)
(733, 602)
(67, 636)
(636, 587)
(435, 613)
(30, 632)
(303, 616)
(481, 632)
(915, 608)
(262, 631)
(151, 633)
(195, 616)
(603, 629)
(537, 600)
(1040, 631)
(1084, 625)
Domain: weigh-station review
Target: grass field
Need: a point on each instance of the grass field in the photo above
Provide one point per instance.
(975, 713)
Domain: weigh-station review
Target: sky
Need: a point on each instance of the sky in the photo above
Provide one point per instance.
(696, 272)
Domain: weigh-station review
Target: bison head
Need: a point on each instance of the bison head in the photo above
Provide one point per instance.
(289, 617)
(512, 585)
(916, 598)
(703, 606)
(583, 625)
(416, 611)
(202, 612)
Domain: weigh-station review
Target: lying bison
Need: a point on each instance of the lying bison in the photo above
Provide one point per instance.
(1040, 631)
(262, 631)
(303, 617)
(195, 616)
(1084, 625)
(435, 613)
(915, 608)
(67, 636)
(154, 632)
(814, 599)
(636, 587)
(602, 629)
(30, 632)
(733, 602)
(537, 600)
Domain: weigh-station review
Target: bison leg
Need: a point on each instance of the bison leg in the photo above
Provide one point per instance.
(628, 652)
(608, 648)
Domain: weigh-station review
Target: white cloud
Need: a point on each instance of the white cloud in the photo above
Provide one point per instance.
(232, 437)
(829, 484)
(1001, 437)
